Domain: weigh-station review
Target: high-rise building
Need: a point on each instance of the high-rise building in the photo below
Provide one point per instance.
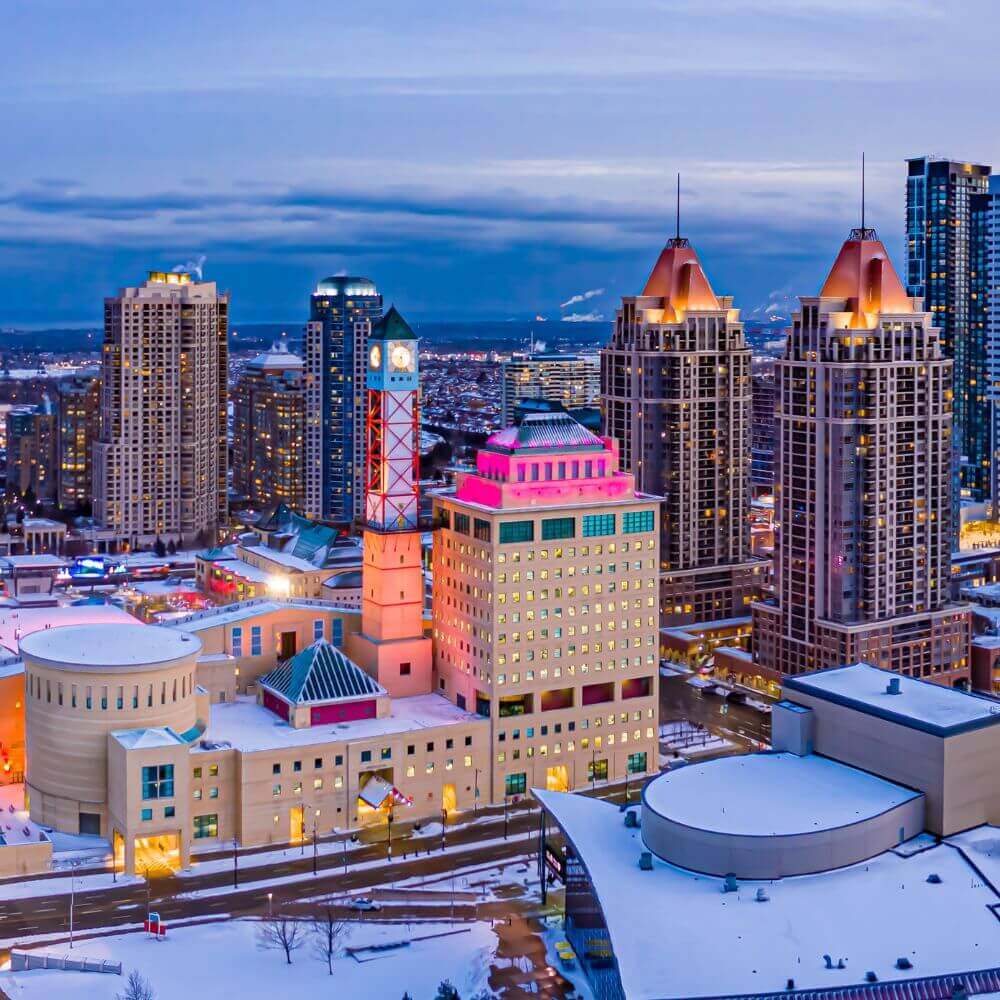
(862, 559)
(939, 225)
(31, 450)
(762, 433)
(573, 380)
(984, 320)
(675, 382)
(161, 463)
(342, 311)
(546, 618)
(79, 427)
(269, 417)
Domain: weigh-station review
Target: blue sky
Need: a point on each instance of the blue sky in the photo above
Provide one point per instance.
(477, 159)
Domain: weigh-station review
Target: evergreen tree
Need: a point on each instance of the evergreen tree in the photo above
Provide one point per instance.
(447, 992)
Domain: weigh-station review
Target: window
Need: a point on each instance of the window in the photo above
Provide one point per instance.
(206, 826)
(404, 669)
(213, 770)
(317, 629)
(256, 646)
(366, 756)
(297, 765)
(275, 790)
(158, 781)
(558, 527)
(637, 763)
(147, 815)
(481, 530)
(236, 641)
(213, 793)
(338, 631)
(275, 769)
(168, 812)
(318, 763)
(197, 794)
(637, 520)
(462, 523)
(197, 772)
(516, 784)
(595, 525)
(517, 531)
(386, 753)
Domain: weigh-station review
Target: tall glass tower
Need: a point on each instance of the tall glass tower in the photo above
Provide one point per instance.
(939, 253)
(342, 311)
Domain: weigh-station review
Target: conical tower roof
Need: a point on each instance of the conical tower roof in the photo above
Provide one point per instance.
(679, 279)
(392, 326)
(863, 275)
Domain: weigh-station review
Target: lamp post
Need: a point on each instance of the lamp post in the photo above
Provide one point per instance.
(269, 895)
(315, 848)
(444, 819)
(388, 842)
(72, 900)
(506, 799)
(236, 869)
(593, 770)
(475, 800)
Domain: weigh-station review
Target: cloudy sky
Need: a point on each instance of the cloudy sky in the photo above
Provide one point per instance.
(477, 159)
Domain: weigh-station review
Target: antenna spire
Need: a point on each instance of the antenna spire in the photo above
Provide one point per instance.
(863, 233)
(678, 240)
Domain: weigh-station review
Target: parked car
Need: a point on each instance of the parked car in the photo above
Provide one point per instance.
(363, 903)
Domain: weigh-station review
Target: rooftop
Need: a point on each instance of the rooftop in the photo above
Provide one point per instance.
(771, 794)
(319, 674)
(545, 431)
(678, 279)
(109, 645)
(16, 623)
(864, 276)
(230, 614)
(706, 943)
(923, 705)
(145, 739)
(250, 727)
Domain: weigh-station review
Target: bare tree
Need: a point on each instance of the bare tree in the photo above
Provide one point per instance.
(327, 934)
(136, 988)
(283, 933)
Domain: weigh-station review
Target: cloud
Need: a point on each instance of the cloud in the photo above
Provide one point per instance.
(582, 297)
(591, 317)
(194, 266)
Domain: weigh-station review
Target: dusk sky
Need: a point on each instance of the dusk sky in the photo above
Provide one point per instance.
(476, 160)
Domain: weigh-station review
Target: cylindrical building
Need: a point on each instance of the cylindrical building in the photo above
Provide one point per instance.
(83, 682)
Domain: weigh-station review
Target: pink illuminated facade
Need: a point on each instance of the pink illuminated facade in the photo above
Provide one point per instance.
(545, 569)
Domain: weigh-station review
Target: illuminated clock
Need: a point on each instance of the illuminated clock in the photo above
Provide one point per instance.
(375, 356)
(402, 357)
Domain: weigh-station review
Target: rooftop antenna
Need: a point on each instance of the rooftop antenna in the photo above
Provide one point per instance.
(678, 240)
(863, 233)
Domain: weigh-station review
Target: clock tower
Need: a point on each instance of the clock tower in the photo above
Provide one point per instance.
(392, 646)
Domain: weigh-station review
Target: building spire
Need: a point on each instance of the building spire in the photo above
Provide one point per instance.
(863, 233)
(678, 240)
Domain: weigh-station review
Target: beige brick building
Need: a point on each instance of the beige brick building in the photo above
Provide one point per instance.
(546, 615)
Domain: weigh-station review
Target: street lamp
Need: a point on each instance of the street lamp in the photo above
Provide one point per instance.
(506, 799)
(72, 900)
(475, 801)
(593, 770)
(236, 871)
(444, 819)
(388, 843)
(269, 895)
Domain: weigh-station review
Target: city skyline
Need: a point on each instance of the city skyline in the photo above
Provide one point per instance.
(526, 175)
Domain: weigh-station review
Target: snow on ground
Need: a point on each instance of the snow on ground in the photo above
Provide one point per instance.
(689, 739)
(225, 890)
(67, 848)
(194, 961)
(63, 885)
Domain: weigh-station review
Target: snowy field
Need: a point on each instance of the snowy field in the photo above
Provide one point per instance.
(194, 961)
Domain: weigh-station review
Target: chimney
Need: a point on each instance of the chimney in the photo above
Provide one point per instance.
(893, 686)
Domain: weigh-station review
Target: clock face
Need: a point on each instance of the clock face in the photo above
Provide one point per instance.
(375, 356)
(402, 357)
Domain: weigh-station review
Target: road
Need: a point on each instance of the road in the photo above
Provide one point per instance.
(744, 726)
(477, 841)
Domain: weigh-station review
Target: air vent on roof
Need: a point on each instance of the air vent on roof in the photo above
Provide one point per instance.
(646, 861)
(893, 686)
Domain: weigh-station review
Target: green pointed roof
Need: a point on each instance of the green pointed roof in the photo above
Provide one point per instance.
(320, 673)
(392, 326)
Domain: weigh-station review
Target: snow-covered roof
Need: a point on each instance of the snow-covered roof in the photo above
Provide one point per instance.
(676, 934)
(230, 614)
(924, 705)
(144, 739)
(250, 727)
(16, 623)
(109, 645)
(771, 794)
(41, 561)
